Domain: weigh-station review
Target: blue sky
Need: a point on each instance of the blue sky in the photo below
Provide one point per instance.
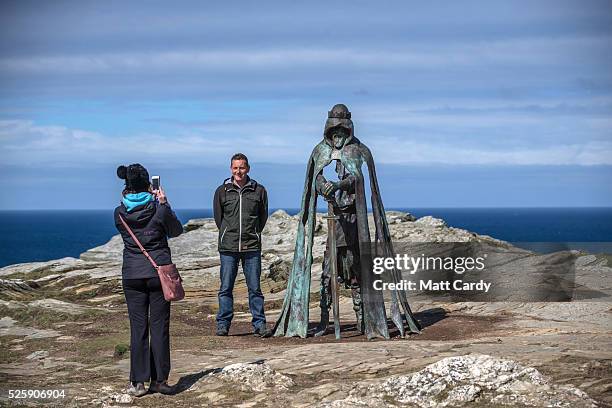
(471, 103)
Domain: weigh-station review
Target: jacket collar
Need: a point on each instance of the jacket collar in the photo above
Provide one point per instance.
(140, 214)
(132, 201)
(229, 184)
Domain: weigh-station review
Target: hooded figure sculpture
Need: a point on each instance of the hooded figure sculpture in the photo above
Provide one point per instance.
(348, 195)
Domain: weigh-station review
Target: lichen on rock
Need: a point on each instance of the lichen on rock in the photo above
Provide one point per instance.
(255, 377)
(456, 381)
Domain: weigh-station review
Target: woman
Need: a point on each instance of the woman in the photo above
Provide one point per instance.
(151, 219)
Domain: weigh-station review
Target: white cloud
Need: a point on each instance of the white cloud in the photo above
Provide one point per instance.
(514, 52)
(25, 143)
(393, 151)
(29, 144)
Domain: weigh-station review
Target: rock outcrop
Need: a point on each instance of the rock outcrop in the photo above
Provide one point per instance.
(255, 377)
(62, 322)
(472, 379)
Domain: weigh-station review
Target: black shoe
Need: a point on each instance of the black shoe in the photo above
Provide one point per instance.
(323, 324)
(262, 331)
(161, 387)
(321, 329)
(222, 331)
(136, 389)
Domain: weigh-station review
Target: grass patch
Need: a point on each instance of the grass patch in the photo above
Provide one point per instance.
(104, 288)
(101, 348)
(43, 318)
(6, 354)
(36, 274)
(121, 349)
(607, 257)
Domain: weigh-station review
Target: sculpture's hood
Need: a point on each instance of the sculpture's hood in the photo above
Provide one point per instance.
(339, 115)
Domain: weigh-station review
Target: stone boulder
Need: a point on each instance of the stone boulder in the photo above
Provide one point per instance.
(469, 379)
(255, 377)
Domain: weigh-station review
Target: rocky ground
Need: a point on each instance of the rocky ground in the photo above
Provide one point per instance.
(64, 326)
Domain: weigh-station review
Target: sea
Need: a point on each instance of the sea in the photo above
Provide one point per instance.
(42, 235)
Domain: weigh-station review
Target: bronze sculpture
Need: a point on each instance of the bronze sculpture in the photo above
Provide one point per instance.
(346, 198)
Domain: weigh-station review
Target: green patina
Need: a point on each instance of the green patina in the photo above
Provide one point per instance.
(293, 320)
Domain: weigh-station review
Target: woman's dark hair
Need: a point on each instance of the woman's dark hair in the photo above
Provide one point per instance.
(136, 178)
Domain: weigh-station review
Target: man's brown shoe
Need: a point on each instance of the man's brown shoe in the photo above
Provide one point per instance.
(262, 331)
(161, 387)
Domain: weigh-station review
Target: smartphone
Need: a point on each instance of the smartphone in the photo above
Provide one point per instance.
(155, 182)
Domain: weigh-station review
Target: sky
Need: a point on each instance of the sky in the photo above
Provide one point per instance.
(463, 104)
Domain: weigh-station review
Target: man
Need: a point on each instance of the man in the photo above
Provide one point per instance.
(240, 209)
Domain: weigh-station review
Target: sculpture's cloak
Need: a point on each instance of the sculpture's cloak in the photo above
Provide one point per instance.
(293, 320)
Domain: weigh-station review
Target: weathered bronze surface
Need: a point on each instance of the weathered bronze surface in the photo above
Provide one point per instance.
(333, 281)
(339, 143)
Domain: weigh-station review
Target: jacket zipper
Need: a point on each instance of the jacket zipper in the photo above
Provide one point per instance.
(240, 220)
(222, 235)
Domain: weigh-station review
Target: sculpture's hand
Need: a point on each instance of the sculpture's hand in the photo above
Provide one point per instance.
(329, 188)
(347, 184)
(320, 183)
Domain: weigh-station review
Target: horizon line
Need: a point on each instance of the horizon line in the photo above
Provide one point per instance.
(272, 209)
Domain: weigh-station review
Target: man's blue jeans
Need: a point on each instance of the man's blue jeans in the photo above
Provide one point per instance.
(251, 266)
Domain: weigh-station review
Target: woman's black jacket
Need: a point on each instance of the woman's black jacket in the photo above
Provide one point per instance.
(152, 223)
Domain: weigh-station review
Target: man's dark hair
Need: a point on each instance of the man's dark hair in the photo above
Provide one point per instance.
(240, 156)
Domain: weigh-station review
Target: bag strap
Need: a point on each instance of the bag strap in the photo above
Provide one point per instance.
(144, 251)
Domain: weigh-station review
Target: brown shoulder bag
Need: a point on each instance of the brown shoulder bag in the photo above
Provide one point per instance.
(169, 276)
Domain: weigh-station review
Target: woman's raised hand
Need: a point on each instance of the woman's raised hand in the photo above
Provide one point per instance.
(161, 195)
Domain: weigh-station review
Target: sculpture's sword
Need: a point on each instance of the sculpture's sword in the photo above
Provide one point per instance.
(333, 266)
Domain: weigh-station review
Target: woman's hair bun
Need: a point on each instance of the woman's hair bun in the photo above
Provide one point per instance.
(122, 172)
